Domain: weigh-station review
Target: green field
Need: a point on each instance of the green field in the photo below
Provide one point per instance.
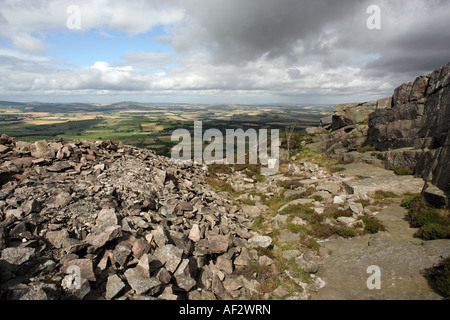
(144, 125)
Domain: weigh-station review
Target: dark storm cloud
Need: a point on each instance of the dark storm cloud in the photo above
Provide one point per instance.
(240, 31)
(415, 34)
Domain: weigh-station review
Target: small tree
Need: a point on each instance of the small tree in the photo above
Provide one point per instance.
(289, 133)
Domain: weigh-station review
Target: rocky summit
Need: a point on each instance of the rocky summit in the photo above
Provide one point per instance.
(105, 221)
(409, 131)
(100, 220)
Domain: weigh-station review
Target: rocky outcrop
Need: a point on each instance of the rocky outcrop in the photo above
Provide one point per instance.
(351, 114)
(420, 120)
(104, 221)
(408, 130)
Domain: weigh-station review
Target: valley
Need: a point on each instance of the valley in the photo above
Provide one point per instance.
(144, 125)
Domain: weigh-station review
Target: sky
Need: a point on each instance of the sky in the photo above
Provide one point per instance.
(218, 51)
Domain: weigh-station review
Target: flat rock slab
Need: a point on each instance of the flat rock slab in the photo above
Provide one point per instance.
(372, 178)
(396, 184)
(296, 203)
(363, 170)
(289, 236)
(403, 260)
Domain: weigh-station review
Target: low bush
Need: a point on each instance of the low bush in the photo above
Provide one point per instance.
(289, 184)
(324, 231)
(433, 231)
(366, 149)
(344, 232)
(427, 216)
(432, 223)
(216, 168)
(299, 210)
(442, 277)
(341, 213)
(219, 185)
(372, 225)
(337, 169)
(380, 194)
(403, 171)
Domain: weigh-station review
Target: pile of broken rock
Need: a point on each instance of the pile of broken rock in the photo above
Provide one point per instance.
(96, 220)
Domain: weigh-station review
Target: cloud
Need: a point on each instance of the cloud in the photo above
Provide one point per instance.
(240, 31)
(25, 18)
(106, 35)
(285, 49)
(149, 59)
(28, 43)
(327, 32)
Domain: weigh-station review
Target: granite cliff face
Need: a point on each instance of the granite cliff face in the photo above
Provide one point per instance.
(418, 119)
(410, 129)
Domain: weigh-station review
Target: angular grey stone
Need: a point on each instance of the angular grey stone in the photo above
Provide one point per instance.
(243, 259)
(280, 292)
(260, 241)
(71, 245)
(224, 264)
(140, 247)
(106, 217)
(201, 295)
(75, 287)
(251, 211)
(219, 290)
(356, 207)
(17, 256)
(185, 282)
(57, 238)
(41, 145)
(85, 267)
(114, 286)
(170, 256)
(143, 267)
(32, 206)
(59, 166)
(280, 218)
(17, 213)
(185, 206)
(347, 221)
(195, 234)
(218, 243)
(62, 199)
(142, 284)
(42, 291)
(293, 193)
(181, 241)
(160, 236)
(163, 276)
(306, 263)
(121, 253)
(100, 238)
